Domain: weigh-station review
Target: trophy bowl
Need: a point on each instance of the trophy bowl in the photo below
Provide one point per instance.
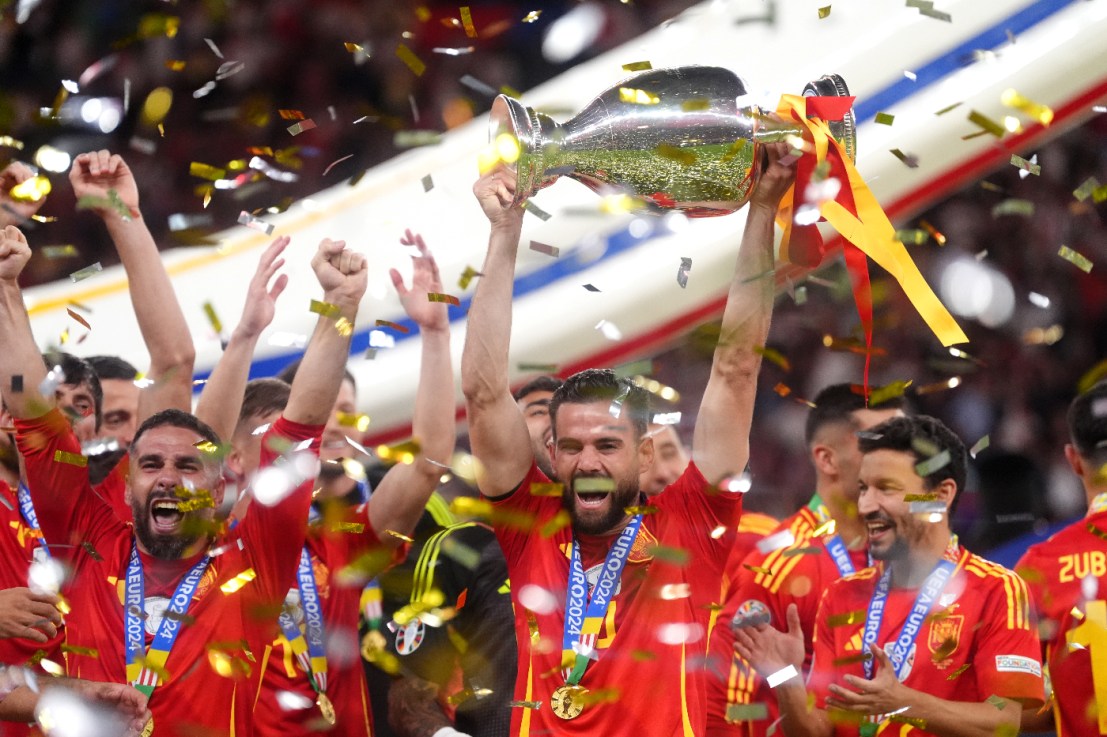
(683, 138)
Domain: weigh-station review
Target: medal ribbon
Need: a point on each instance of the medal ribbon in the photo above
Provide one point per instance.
(834, 545)
(143, 672)
(27, 509)
(584, 613)
(307, 644)
(927, 598)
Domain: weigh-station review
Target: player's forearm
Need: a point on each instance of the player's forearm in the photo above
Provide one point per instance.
(484, 360)
(962, 718)
(798, 717)
(19, 705)
(433, 421)
(320, 374)
(721, 439)
(221, 400)
(21, 367)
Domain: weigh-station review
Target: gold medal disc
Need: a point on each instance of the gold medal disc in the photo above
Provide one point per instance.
(149, 728)
(566, 702)
(326, 707)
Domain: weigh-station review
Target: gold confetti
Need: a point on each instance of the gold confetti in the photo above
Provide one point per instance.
(11, 143)
(1076, 259)
(541, 368)
(33, 189)
(354, 48)
(467, 22)
(525, 704)
(958, 672)
(255, 223)
(544, 248)
(920, 497)
(175, 65)
(213, 318)
(698, 103)
(947, 108)
(558, 522)
(234, 584)
(932, 464)
(427, 182)
(86, 272)
(298, 128)
(399, 536)
(884, 118)
(88, 652)
(1014, 206)
(775, 356)
(394, 325)
(547, 489)
(997, 702)
(535, 210)
(344, 327)
(910, 160)
(324, 309)
(675, 556)
(467, 276)
(637, 97)
(637, 66)
(354, 528)
(846, 618)
(72, 459)
(891, 391)
(414, 63)
(824, 12)
(447, 298)
(291, 114)
(1086, 189)
(413, 138)
(533, 16)
(643, 509)
(1025, 165)
(52, 252)
(756, 711)
(850, 659)
(206, 171)
(1041, 113)
(917, 237)
(91, 551)
(987, 124)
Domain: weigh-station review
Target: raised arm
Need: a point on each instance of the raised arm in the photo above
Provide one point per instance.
(221, 399)
(720, 445)
(398, 501)
(343, 276)
(94, 175)
(21, 367)
(497, 430)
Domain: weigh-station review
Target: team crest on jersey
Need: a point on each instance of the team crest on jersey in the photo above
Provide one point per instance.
(410, 636)
(750, 614)
(945, 635)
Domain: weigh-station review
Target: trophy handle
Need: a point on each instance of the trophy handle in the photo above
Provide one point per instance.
(844, 130)
(510, 116)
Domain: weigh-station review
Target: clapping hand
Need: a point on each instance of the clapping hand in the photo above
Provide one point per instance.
(425, 280)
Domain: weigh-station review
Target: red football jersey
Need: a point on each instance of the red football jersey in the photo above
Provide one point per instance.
(978, 641)
(647, 680)
(204, 688)
(19, 547)
(1067, 575)
(796, 572)
(114, 486)
(345, 553)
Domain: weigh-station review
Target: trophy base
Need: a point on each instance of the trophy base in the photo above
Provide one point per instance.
(844, 130)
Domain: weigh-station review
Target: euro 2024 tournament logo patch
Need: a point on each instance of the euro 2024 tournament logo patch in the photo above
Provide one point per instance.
(410, 636)
(750, 614)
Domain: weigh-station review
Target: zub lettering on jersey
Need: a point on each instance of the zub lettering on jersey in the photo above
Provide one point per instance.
(1078, 566)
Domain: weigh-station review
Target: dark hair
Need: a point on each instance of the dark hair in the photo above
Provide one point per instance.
(601, 385)
(924, 437)
(288, 373)
(1087, 418)
(837, 403)
(112, 367)
(538, 384)
(263, 397)
(176, 418)
(78, 371)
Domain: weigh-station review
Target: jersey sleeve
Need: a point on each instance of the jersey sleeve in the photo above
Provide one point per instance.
(696, 508)
(69, 511)
(1007, 662)
(273, 535)
(525, 512)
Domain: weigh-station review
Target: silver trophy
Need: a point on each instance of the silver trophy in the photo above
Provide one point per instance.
(683, 138)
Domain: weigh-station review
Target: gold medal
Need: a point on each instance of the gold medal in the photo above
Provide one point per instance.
(327, 709)
(566, 702)
(149, 728)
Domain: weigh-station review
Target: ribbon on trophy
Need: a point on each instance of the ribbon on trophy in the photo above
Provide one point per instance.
(857, 216)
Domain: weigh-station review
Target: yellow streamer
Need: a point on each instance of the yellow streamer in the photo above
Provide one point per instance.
(872, 232)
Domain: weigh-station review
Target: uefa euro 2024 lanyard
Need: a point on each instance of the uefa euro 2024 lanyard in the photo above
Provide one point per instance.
(585, 614)
(927, 598)
(308, 645)
(143, 672)
(835, 547)
(27, 509)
